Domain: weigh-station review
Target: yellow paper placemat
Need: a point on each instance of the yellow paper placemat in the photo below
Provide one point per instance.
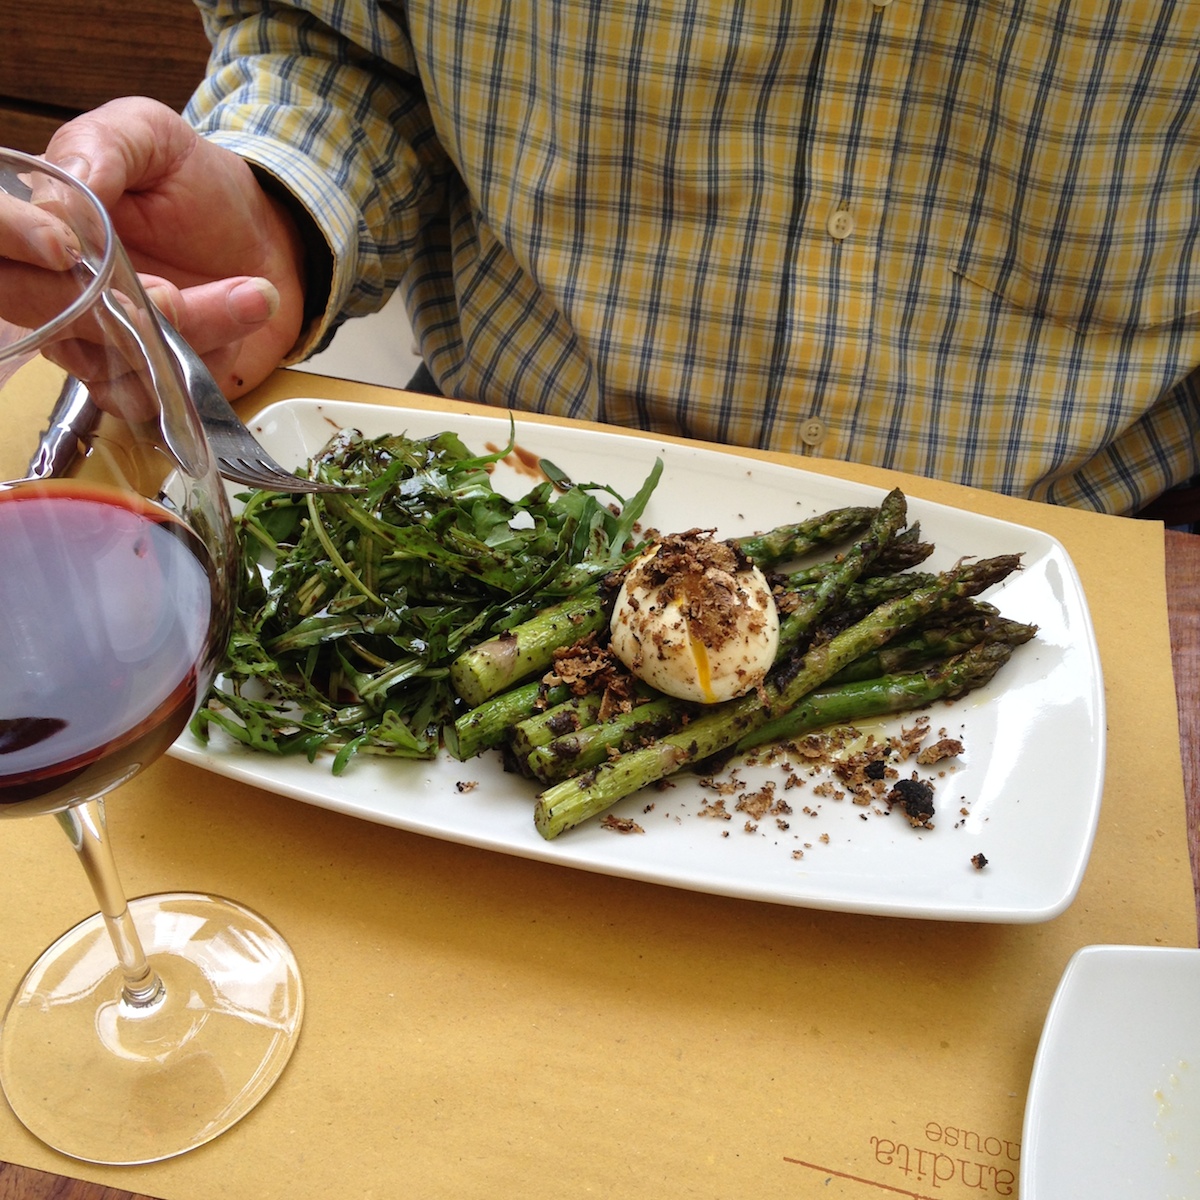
(480, 1026)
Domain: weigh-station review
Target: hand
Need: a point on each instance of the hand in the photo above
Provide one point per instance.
(221, 258)
(36, 249)
(43, 276)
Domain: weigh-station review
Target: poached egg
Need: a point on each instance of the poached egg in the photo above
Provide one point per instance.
(696, 620)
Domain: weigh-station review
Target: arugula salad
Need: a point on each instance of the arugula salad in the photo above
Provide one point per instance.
(352, 606)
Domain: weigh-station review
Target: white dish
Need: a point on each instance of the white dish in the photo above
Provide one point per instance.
(1030, 779)
(1114, 1099)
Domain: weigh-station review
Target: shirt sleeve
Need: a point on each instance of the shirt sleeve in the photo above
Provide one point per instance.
(324, 99)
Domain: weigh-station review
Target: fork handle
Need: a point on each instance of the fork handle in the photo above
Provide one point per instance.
(72, 420)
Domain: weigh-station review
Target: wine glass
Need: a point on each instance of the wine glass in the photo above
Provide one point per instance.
(156, 1024)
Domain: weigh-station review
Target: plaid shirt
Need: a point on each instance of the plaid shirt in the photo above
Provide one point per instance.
(957, 237)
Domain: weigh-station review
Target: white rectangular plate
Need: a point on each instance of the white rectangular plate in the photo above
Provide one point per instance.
(1025, 793)
(1114, 1100)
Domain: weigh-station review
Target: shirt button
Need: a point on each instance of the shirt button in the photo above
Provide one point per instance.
(840, 224)
(812, 431)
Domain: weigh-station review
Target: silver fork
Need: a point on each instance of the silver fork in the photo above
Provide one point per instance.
(238, 453)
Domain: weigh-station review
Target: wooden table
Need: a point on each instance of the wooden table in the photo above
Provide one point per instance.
(1183, 599)
(1183, 603)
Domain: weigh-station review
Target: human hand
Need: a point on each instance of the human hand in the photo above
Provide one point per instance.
(36, 248)
(221, 258)
(45, 275)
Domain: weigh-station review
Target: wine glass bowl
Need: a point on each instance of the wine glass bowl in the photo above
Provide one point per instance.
(153, 1026)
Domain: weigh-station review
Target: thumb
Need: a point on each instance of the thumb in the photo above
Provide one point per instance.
(211, 315)
(128, 143)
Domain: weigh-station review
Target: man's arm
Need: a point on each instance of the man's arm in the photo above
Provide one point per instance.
(301, 199)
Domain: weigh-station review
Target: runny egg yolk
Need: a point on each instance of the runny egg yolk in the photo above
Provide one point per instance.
(695, 620)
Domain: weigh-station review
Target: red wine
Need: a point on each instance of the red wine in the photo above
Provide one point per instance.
(106, 629)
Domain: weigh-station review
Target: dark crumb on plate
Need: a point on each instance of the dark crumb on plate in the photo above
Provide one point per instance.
(943, 748)
(979, 861)
(621, 824)
(757, 804)
(914, 797)
(467, 785)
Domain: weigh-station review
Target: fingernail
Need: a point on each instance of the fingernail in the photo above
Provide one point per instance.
(164, 300)
(77, 165)
(54, 245)
(254, 300)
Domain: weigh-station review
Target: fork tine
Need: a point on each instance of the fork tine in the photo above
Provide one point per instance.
(268, 476)
(239, 455)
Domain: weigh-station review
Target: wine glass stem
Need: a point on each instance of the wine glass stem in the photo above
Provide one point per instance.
(85, 826)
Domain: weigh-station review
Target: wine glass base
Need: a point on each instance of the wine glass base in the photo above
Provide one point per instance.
(108, 1082)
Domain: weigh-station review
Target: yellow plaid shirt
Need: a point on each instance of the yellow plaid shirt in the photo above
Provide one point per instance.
(957, 238)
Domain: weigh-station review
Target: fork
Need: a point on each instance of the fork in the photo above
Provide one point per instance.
(238, 453)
